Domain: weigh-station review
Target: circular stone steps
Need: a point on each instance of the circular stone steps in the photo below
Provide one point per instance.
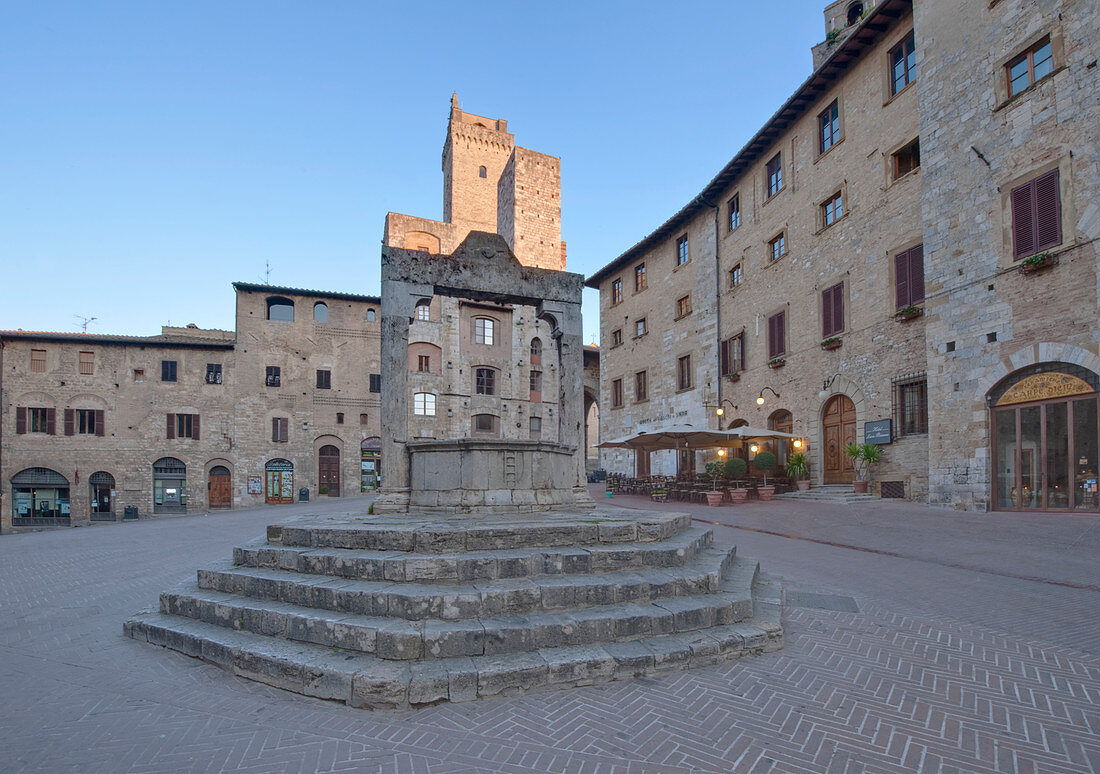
(403, 611)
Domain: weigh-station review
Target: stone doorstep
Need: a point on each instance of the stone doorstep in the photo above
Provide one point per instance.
(371, 683)
(474, 566)
(440, 536)
(415, 601)
(398, 639)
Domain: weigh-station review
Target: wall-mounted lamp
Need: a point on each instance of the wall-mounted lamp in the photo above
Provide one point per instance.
(760, 397)
(797, 443)
(825, 385)
(721, 452)
(719, 406)
(754, 448)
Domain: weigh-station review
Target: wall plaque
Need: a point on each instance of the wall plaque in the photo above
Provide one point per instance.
(1044, 386)
(880, 431)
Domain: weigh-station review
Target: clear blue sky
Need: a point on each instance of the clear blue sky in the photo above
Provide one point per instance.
(155, 152)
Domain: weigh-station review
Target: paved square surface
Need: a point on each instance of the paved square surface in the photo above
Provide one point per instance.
(973, 647)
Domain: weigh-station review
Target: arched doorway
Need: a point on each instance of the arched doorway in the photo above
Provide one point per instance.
(101, 487)
(783, 422)
(219, 487)
(39, 497)
(1045, 439)
(370, 463)
(279, 481)
(838, 425)
(328, 471)
(169, 486)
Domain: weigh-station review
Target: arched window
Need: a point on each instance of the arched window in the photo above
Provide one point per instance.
(423, 312)
(484, 330)
(855, 11)
(40, 493)
(169, 486)
(485, 424)
(370, 315)
(536, 351)
(423, 404)
(482, 172)
(320, 312)
(281, 309)
(781, 421)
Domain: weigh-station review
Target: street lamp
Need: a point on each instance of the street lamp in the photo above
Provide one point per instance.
(718, 406)
(825, 385)
(760, 397)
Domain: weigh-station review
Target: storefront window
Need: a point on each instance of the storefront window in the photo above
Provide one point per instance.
(39, 496)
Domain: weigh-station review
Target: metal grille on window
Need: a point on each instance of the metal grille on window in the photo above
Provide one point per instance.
(910, 394)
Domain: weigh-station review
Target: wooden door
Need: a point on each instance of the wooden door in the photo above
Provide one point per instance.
(328, 471)
(838, 430)
(220, 488)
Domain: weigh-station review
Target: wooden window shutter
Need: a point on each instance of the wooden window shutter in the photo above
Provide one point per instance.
(838, 307)
(20, 420)
(284, 430)
(772, 338)
(275, 430)
(827, 312)
(781, 330)
(51, 421)
(916, 274)
(1048, 211)
(100, 430)
(195, 426)
(1023, 221)
(724, 358)
(171, 426)
(901, 279)
(740, 351)
(70, 421)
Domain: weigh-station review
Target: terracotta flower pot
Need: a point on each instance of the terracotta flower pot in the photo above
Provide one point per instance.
(803, 484)
(765, 492)
(860, 487)
(738, 495)
(714, 498)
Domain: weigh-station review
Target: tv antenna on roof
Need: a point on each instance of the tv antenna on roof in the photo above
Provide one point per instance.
(84, 321)
(267, 272)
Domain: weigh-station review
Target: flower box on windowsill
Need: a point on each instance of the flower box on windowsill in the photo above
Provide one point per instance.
(734, 377)
(777, 363)
(831, 343)
(1037, 263)
(908, 313)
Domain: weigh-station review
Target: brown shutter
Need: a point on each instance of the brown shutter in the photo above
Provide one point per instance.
(100, 430)
(901, 279)
(195, 426)
(781, 331)
(1023, 221)
(741, 351)
(171, 426)
(916, 274)
(275, 430)
(70, 421)
(20, 420)
(724, 358)
(284, 430)
(827, 312)
(838, 307)
(1048, 211)
(51, 421)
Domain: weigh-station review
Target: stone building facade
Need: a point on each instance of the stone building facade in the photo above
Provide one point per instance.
(846, 264)
(192, 419)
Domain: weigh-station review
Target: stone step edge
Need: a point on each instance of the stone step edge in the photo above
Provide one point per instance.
(371, 683)
(415, 601)
(362, 564)
(400, 639)
(438, 538)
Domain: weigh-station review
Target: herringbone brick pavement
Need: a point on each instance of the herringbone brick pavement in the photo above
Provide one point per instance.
(945, 668)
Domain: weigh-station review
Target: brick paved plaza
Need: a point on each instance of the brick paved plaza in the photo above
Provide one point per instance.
(916, 640)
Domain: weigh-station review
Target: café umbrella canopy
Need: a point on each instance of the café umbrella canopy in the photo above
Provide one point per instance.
(676, 437)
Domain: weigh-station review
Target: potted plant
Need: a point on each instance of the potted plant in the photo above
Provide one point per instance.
(864, 457)
(833, 342)
(735, 469)
(798, 469)
(1037, 262)
(777, 362)
(765, 462)
(908, 313)
(734, 376)
(715, 471)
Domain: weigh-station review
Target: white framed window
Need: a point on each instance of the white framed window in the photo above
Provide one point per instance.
(424, 404)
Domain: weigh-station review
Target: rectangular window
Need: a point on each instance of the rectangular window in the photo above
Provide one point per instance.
(616, 291)
(168, 370)
(903, 64)
(909, 277)
(324, 380)
(641, 386)
(274, 376)
(339, 417)
(40, 420)
(734, 211)
(1036, 215)
(775, 175)
(777, 335)
(777, 247)
(213, 373)
(907, 159)
(682, 255)
(38, 361)
(183, 426)
(832, 310)
(423, 363)
(86, 363)
(616, 393)
(1033, 65)
(486, 381)
(832, 210)
(911, 405)
(683, 373)
(139, 374)
(423, 312)
(280, 429)
(639, 278)
(640, 327)
(424, 404)
(535, 430)
(485, 423)
(736, 276)
(617, 337)
(536, 381)
(376, 382)
(731, 356)
(683, 307)
(483, 331)
(86, 422)
(828, 124)
(363, 418)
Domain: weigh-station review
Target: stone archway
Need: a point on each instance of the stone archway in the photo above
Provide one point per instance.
(838, 429)
(841, 385)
